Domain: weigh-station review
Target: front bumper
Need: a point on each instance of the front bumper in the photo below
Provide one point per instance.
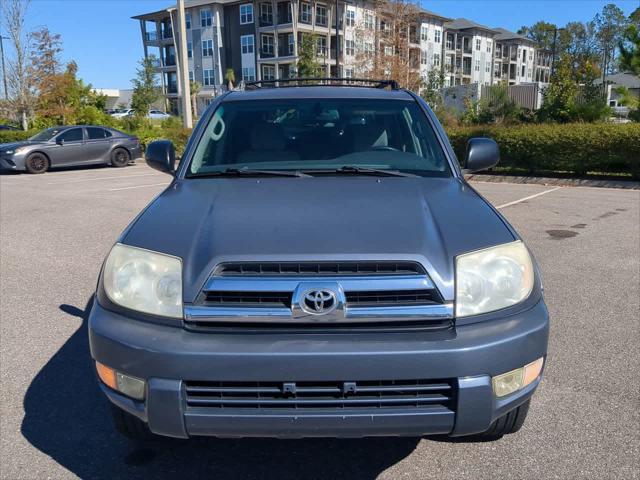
(167, 356)
(11, 163)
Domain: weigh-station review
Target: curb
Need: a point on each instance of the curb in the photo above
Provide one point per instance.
(561, 182)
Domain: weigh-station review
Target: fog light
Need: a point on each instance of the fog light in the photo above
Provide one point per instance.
(517, 379)
(130, 386)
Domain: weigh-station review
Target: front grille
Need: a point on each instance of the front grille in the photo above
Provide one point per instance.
(319, 268)
(377, 394)
(381, 298)
(248, 299)
(392, 298)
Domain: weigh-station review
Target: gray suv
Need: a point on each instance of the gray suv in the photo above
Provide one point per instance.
(319, 267)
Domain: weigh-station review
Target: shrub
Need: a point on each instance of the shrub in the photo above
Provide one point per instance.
(576, 148)
(9, 136)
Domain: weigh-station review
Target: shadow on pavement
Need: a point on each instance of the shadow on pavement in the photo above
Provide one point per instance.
(68, 419)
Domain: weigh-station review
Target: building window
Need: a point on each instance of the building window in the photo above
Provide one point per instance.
(249, 74)
(205, 18)
(449, 44)
(246, 43)
(305, 12)
(189, 49)
(207, 77)
(437, 36)
(266, 13)
(368, 47)
(321, 15)
(523, 70)
(350, 47)
(489, 46)
(187, 20)
(487, 67)
(267, 44)
(348, 73)
(424, 33)
(246, 14)
(351, 18)
(528, 73)
(436, 59)
(268, 72)
(478, 44)
(368, 21)
(321, 46)
(207, 48)
(423, 58)
(191, 76)
(291, 43)
(477, 68)
(530, 55)
(388, 51)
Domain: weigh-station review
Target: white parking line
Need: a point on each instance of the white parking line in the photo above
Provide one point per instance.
(137, 186)
(77, 180)
(527, 198)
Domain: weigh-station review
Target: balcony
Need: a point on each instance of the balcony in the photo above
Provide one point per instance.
(151, 36)
(266, 20)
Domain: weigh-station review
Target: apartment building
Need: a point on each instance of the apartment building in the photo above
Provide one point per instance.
(260, 40)
(468, 52)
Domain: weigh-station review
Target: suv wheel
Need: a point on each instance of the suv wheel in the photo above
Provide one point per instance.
(37, 163)
(120, 157)
(130, 426)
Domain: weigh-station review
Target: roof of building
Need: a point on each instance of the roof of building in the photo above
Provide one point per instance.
(429, 13)
(464, 24)
(505, 35)
(624, 79)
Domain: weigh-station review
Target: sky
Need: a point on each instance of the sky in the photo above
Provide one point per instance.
(106, 43)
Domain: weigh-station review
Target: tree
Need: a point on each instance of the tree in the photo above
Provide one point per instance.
(610, 25)
(145, 88)
(630, 50)
(497, 106)
(45, 54)
(388, 52)
(560, 95)
(194, 87)
(540, 32)
(431, 88)
(308, 66)
(230, 78)
(19, 80)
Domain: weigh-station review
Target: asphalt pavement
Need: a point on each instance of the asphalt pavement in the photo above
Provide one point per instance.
(56, 228)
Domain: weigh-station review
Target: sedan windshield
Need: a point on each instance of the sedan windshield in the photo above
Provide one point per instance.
(46, 135)
(319, 136)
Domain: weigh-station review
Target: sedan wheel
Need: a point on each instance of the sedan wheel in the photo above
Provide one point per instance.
(120, 157)
(37, 163)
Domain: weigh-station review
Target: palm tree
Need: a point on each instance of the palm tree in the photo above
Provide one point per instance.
(195, 88)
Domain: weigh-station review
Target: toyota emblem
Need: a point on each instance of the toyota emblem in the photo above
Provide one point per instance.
(318, 302)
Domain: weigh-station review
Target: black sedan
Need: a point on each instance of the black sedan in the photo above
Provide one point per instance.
(70, 146)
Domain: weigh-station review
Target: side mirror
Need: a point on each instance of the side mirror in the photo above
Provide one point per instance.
(60, 141)
(482, 154)
(161, 155)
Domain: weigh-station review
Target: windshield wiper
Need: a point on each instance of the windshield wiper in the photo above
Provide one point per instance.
(234, 172)
(356, 170)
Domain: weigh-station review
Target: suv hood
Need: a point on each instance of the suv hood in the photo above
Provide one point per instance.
(209, 221)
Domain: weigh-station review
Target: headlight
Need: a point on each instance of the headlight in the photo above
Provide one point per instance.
(15, 150)
(493, 278)
(142, 280)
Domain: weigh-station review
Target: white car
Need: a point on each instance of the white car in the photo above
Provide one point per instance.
(158, 115)
(123, 112)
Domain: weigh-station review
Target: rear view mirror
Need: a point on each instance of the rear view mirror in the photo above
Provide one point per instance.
(161, 155)
(482, 154)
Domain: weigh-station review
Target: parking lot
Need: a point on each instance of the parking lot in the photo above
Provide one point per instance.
(56, 228)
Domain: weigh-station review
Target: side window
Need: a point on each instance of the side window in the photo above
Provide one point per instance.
(94, 133)
(73, 135)
(108, 134)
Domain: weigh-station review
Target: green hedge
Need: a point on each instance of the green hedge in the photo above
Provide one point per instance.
(578, 148)
(8, 136)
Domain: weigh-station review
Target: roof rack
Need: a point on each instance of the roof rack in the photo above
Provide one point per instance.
(322, 82)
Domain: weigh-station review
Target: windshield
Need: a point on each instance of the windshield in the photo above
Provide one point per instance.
(46, 135)
(319, 135)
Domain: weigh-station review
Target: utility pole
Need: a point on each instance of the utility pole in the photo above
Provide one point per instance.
(4, 72)
(183, 68)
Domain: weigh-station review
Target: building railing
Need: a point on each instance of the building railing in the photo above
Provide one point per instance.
(151, 36)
